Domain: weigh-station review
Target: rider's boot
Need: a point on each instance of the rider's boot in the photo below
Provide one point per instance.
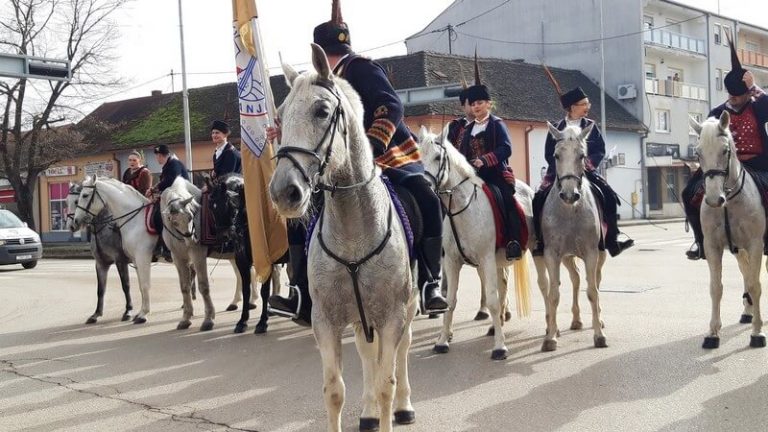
(431, 297)
(539, 198)
(298, 306)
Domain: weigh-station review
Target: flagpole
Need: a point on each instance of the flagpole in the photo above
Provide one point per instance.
(185, 96)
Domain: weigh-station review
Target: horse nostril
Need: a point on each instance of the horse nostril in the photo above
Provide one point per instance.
(576, 196)
(562, 195)
(293, 193)
(721, 200)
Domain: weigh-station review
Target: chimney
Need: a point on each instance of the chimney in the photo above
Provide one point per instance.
(157, 92)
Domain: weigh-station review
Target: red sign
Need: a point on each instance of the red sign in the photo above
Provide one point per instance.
(7, 196)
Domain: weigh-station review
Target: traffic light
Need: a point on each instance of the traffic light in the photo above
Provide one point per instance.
(23, 66)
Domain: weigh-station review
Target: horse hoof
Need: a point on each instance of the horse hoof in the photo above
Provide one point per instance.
(139, 320)
(232, 307)
(499, 354)
(549, 345)
(491, 331)
(260, 329)
(405, 417)
(251, 306)
(600, 342)
(576, 325)
(369, 424)
(507, 316)
(433, 316)
(240, 327)
(207, 325)
(126, 317)
(441, 349)
(757, 341)
(92, 320)
(183, 325)
(482, 316)
(745, 319)
(711, 342)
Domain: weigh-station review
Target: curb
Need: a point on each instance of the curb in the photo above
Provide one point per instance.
(637, 222)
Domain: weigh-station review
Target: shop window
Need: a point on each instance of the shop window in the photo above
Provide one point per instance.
(57, 195)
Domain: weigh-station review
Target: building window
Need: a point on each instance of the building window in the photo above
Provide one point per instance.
(751, 46)
(57, 195)
(647, 22)
(671, 177)
(650, 71)
(718, 34)
(726, 35)
(673, 25)
(662, 121)
(696, 116)
(718, 79)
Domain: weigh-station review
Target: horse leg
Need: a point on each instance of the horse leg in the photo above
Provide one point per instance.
(750, 269)
(125, 282)
(573, 273)
(192, 277)
(389, 339)
(714, 260)
(369, 417)
(482, 313)
(242, 266)
(451, 269)
(101, 284)
(261, 326)
(200, 256)
(543, 281)
(552, 300)
(143, 270)
(404, 412)
(490, 280)
(238, 288)
(328, 340)
(591, 262)
(185, 281)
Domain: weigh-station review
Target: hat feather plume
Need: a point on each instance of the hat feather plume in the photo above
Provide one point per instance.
(336, 12)
(477, 70)
(552, 79)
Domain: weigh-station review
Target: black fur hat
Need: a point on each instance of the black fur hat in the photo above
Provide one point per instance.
(571, 97)
(220, 126)
(333, 36)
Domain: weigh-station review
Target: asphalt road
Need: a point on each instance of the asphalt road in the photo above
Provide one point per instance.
(56, 373)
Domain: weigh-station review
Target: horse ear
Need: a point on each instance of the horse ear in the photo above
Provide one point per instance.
(207, 180)
(586, 131)
(423, 133)
(234, 197)
(187, 201)
(320, 62)
(290, 74)
(556, 134)
(695, 125)
(444, 134)
(725, 120)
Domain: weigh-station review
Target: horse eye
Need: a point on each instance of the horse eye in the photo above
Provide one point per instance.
(437, 158)
(557, 157)
(322, 113)
(725, 151)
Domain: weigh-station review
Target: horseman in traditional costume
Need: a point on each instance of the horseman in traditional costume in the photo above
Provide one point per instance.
(747, 105)
(486, 144)
(576, 105)
(458, 126)
(395, 151)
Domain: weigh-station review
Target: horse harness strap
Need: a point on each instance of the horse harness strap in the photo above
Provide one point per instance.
(353, 267)
(129, 215)
(727, 219)
(451, 215)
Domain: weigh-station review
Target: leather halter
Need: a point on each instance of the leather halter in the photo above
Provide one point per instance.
(87, 209)
(559, 179)
(178, 235)
(725, 173)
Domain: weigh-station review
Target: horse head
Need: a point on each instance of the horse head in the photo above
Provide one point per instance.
(225, 202)
(72, 196)
(320, 115)
(445, 166)
(179, 208)
(570, 160)
(88, 204)
(717, 157)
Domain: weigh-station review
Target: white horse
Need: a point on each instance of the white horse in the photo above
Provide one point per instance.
(732, 218)
(470, 238)
(571, 228)
(127, 207)
(358, 263)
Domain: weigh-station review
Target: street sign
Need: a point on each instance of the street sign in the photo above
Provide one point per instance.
(23, 66)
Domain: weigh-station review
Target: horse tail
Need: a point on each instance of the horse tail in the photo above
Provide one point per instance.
(522, 287)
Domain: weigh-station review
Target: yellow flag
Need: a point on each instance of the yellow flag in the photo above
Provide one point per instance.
(269, 240)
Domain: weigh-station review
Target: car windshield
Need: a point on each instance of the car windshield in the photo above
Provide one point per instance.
(9, 220)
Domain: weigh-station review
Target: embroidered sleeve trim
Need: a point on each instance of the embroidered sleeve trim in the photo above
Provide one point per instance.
(380, 133)
(490, 159)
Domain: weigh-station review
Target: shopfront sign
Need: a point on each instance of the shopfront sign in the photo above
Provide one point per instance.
(99, 169)
(61, 171)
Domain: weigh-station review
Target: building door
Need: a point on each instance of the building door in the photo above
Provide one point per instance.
(655, 197)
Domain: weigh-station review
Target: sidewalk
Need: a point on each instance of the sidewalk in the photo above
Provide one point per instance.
(67, 250)
(634, 222)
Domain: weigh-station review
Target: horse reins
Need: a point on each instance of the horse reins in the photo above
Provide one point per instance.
(729, 193)
(129, 215)
(353, 267)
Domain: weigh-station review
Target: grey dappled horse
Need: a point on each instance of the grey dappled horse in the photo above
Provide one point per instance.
(358, 244)
(732, 218)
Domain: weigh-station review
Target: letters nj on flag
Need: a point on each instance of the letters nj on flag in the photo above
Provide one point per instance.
(269, 240)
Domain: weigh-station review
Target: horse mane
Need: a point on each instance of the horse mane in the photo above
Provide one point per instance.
(123, 187)
(185, 188)
(571, 133)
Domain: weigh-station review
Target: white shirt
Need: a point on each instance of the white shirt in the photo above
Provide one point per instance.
(569, 122)
(480, 127)
(220, 149)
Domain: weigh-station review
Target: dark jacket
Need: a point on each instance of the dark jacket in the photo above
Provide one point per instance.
(760, 108)
(595, 146)
(172, 169)
(456, 130)
(228, 161)
(141, 179)
(394, 146)
(497, 147)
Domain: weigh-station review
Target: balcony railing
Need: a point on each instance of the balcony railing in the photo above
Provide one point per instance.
(673, 88)
(675, 40)
(660, 150)
(752, 58)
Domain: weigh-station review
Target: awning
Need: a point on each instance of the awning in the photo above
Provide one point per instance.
(7, 196)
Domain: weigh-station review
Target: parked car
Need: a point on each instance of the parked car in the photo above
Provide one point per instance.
(18, 243)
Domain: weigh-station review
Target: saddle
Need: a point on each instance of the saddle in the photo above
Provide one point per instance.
(208, 232)
(600, 200)
(501, 218)
(149, 221)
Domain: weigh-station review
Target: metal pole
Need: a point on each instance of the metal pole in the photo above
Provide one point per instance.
(185, 96)
(602, 75)
(450, 48)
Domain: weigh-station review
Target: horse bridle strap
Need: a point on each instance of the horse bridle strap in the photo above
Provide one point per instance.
(353, 267)
(571, 177)
(172, 229)
(127, 216)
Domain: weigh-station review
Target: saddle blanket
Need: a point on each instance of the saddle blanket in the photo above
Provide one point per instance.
(499, 221)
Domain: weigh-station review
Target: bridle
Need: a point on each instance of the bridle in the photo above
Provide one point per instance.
(178, 235)
(560, 179)
(87, 209)
(329, 135)
(726, 173)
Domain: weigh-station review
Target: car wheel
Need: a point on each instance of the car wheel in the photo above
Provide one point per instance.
(29, 264)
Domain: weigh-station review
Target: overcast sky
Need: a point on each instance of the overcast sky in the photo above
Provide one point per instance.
(148, 46)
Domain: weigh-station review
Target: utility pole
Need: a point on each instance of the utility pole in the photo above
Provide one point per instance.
(173, 86)
(185, 96)
(449, 27)
(602, 75)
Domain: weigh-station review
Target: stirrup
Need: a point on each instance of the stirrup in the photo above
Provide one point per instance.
(284, 313)
(422, 300)
(697, 254)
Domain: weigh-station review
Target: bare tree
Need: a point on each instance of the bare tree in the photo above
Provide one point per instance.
(35, 128)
